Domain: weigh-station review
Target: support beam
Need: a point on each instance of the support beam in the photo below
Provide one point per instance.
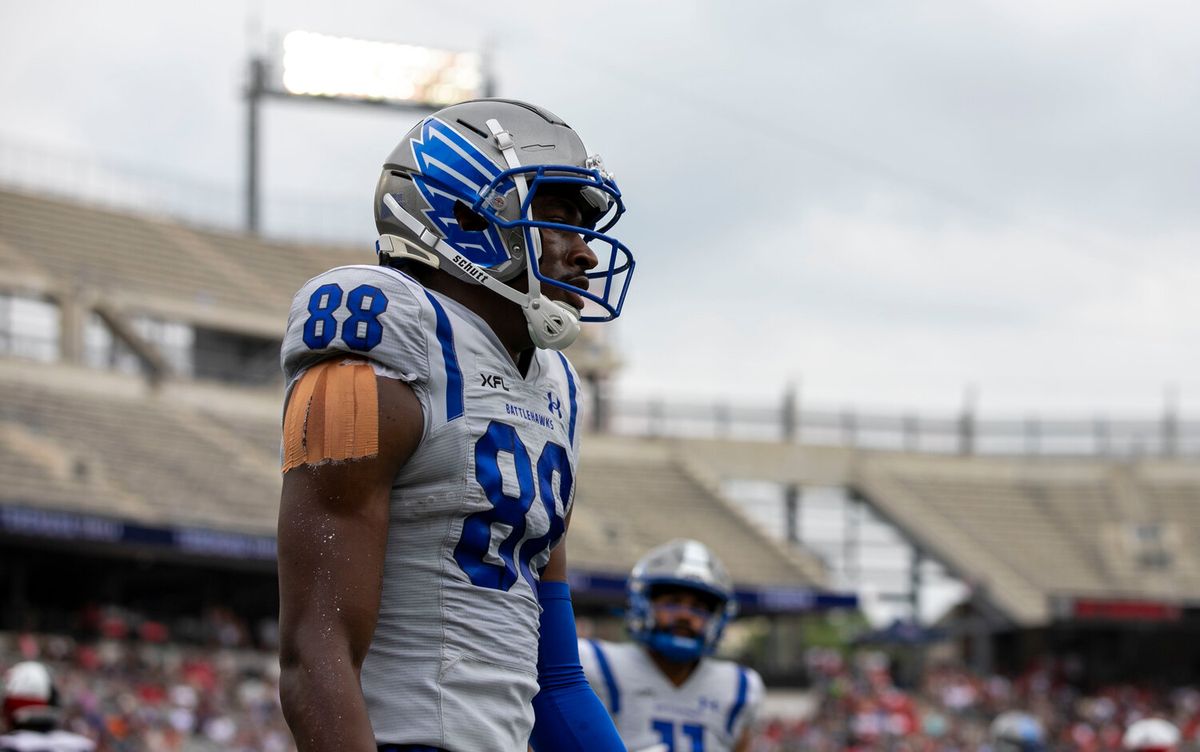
(153, 362)
(791, 513)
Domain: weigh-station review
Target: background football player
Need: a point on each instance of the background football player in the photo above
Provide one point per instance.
(1016, 731)
(1151, 735)
(32, 714)
(430, 439)
(663, 690)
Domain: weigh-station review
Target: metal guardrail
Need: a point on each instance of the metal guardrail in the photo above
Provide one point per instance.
(1166, 436)
(965, 433)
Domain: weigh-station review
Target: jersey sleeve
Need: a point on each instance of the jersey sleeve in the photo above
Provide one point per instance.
(590, 659)
(578, 400)
(569, 400)
(755, 696)
(358, 311)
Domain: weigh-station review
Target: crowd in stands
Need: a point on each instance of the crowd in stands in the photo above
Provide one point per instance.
(131, 689)
(134, 685)
(860, 707)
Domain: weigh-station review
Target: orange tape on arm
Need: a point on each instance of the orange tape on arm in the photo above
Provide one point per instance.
(332, 415)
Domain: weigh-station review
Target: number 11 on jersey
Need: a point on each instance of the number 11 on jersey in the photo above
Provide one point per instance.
(666, 732)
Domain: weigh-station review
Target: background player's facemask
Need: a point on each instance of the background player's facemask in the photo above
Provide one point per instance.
(449, 167)
(677, 648)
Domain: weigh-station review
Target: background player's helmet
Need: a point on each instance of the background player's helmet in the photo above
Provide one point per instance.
(1016, 731)
(680, 563)
(1151, 735)
(30, 698)
(493, 156)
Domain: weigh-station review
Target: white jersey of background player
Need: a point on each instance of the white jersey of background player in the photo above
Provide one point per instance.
(32, 713)
(430, 441)
(663, 691)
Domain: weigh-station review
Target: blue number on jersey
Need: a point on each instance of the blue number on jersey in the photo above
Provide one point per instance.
(365, 318)
(321, 327)
(554, 459)
(666, 732)
(509, 511)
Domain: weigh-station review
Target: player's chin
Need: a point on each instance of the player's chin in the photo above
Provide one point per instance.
(570, 299)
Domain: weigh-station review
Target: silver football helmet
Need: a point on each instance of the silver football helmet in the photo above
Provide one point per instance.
(486, 160)
(680, 563)
(1151, 735)
(30, 698)
(1017, 731)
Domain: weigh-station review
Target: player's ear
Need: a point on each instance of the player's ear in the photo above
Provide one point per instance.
(467, 219)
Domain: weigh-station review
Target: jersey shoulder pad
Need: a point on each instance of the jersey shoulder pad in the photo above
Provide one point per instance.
(366, 311)
(751, 695)
(597, 661)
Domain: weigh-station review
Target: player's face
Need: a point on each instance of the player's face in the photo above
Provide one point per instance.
(565, 255)
(682, 612)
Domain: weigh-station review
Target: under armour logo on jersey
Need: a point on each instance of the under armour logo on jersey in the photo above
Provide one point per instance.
(554, 405)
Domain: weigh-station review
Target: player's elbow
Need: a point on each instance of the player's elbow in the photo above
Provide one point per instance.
(313, 656)
(295, 686)
(310, 676)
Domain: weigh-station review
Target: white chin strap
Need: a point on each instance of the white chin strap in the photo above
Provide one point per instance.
(552, 325)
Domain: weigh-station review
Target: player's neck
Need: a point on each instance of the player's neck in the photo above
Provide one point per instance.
(677, 673)
(502, 316)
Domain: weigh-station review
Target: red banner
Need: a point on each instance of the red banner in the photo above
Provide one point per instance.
(1086, 608)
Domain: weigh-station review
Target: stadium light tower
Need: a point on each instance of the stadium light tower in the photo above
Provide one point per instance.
(322, 68)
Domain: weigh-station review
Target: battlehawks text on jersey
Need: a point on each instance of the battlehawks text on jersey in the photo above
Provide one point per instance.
(707, 714)
(474, 513)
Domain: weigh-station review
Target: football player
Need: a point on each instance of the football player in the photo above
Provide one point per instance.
(32, 713)
(430, 438)
(1017, 731)
(663, 690)
(1151, 735)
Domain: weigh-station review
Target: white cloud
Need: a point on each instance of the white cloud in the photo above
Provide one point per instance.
(890, 200)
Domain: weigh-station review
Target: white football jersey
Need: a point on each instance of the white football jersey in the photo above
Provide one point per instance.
(50, 741)
(474, 513)
(708, 713)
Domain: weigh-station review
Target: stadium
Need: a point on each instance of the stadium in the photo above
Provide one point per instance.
(902, 578)
(140, 431)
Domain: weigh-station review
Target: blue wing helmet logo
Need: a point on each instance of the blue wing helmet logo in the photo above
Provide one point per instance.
(449, 162)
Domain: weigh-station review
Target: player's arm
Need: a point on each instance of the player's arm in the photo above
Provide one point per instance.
(333, 521)
(568, 717)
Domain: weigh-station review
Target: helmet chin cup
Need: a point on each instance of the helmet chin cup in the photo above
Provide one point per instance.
(676, 648)
(552, 325)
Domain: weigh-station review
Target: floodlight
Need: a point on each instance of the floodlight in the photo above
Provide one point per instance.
(327, 66)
